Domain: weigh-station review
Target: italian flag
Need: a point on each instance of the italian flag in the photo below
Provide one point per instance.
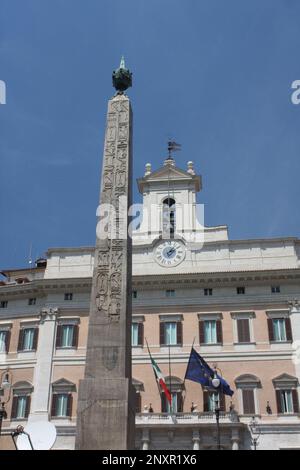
(161, 380)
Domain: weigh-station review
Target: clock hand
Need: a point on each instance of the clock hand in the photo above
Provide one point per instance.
(170, 252)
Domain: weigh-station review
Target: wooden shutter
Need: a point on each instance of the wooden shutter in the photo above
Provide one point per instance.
(205, 401)
(58, 336)
(53, 406)
(295, 401)
(270, 329)
(138, 402)
(27, 408)
(35, 339)
(222, 402)
(21, 340)
(164, 408)
(219, 332)
(288, 328)
(248, 402)
(75, 336)
(70, 405)
(179, 402)
(179, 333)
(243, 328)
(140, 334)
(201, 332)
(14, 407)
(162, 333)
(278, 401)
(7, 340)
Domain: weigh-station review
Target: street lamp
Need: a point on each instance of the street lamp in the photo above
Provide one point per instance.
(216, 382)
(5, 392)
(255, 432)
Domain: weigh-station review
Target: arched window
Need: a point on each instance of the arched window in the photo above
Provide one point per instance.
(175, 385)
(169, 217)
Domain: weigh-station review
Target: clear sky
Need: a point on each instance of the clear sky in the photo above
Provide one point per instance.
(215, 75)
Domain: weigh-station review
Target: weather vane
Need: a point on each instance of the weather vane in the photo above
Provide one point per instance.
(173, 147)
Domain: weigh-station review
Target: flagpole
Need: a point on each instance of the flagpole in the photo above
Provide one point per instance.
(158, 387)
(189, 360)
(170, 379)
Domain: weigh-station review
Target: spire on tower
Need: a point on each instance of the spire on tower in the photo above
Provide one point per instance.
(122, 78)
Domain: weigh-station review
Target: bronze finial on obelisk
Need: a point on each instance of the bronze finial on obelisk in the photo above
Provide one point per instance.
(105, 415)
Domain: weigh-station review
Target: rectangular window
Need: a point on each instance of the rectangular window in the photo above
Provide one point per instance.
(275, 289)
(67, 336)
(170, 333)
(279, 329)
(135, 334)
(28, 338)
(176, 403)
(248, 402)
(286, 398)
(240, 290)
(134, 294)
(68, 296)
(243, 329)
(32, 301)
(170, 293)
(210, 332)
(3, 341)
(208, 292)
(61, 405)
(3, 304)
(20, 407)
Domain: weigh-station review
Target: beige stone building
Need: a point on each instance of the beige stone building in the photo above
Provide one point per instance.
(236, 300)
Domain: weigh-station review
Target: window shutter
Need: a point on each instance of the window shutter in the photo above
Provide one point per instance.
(278, 401)
(248, 402)
(222, 402)
(163, 403)
(75, 336)
(70, 405)
(179, 333)
(288, 328)
(53, 406)
(14, 407)
(243, 330)
(21, 340)
(201, 332)
(138, 402)
(7, 340)
(27, 408)
(35, 339)
(179, 402)
(140, 334)
(162, 333)
(271, 330)
(58, 336)
(295, 401)
(205, 401)
(219, 332)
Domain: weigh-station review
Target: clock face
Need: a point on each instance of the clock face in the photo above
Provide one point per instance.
(169, 253)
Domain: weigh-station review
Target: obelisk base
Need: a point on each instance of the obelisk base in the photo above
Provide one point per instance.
(106, 411)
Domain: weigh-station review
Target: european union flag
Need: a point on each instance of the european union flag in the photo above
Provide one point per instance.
(199, 371)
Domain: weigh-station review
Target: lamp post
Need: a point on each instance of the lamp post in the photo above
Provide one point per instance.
(5, 394)
(255, 432)
(216, 384)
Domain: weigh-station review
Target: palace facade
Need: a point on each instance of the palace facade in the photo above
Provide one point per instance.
(237, 301)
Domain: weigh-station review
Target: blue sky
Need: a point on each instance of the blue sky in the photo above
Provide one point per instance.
(214, 75)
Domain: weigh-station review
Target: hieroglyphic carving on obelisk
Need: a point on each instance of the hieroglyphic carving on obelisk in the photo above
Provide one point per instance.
(105, 418)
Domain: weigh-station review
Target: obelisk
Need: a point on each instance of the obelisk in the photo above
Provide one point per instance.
(106, 402)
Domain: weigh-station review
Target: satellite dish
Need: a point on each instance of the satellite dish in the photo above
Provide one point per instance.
(42, 435)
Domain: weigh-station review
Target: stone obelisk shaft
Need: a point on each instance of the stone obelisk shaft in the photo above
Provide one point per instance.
(106, 397)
